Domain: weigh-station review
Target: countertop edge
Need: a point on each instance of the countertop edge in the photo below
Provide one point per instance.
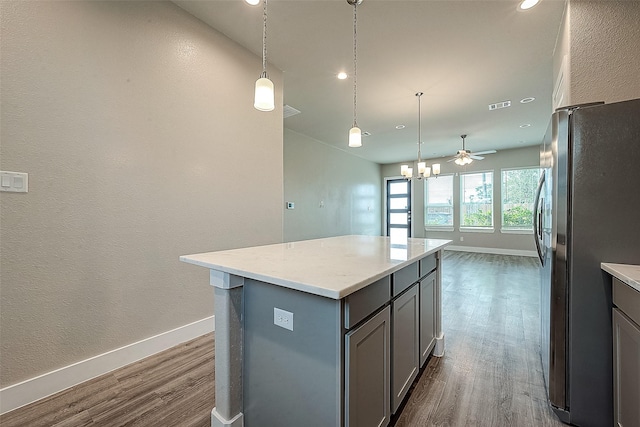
(623, 273)
(310, 288)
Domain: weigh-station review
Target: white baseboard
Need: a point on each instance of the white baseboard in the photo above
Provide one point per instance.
(33, 389)
(497, 251)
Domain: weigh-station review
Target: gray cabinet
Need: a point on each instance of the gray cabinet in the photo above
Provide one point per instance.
(391, 330)
(405, 344)
(367, 372)
(626, 355)
(427, 316)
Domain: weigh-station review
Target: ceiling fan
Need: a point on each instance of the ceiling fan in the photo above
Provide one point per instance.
(464, 156)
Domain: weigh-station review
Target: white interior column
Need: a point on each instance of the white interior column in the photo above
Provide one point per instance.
(228, 349)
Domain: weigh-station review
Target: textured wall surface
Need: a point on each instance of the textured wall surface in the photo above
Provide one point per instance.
(135, 122)
(505, 159)
(604, 39)
(335, 193)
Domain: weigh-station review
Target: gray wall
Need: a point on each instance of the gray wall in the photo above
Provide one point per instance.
(601, 43)
(519, 157)
(135, 122)
(335, 192)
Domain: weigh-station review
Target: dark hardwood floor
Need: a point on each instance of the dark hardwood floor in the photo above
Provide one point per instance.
(172, 388)
(490, 374)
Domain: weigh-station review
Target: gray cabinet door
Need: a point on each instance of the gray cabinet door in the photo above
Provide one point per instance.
(626, 366)
(405, 344)
(367, 373)
(427, 316)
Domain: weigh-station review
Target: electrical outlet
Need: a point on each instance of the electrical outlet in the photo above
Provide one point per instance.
(283, 318)
(461, 239)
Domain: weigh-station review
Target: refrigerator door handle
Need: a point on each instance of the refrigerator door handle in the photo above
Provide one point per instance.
(537, 218)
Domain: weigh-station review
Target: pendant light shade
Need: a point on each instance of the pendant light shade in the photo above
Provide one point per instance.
(355, 137)
(264, 93)
(264, 98)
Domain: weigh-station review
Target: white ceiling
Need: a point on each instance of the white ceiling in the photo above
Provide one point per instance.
(463, 55)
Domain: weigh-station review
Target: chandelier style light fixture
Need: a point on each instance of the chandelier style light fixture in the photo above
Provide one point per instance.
(355, 134)
(423, 169)
(264, 97)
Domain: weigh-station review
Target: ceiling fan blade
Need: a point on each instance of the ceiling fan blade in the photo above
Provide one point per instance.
(474, 157)
(485, 152)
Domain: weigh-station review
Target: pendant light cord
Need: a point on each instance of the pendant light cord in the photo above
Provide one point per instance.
(419, 95)
(264, 39)
(355, 62)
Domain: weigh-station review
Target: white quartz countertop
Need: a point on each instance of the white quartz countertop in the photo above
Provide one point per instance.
(626, 273)
(333, 267)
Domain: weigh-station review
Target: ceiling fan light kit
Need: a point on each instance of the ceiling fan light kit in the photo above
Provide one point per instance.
(465, 157)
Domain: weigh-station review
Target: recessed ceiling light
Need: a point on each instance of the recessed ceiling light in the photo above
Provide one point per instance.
(400, 127)
(526, 125)
(342, 75)
(365, 133)
(527, 4)
(252, 2)
(527, 100)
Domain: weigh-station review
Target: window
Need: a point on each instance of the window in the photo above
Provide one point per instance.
(518, 193)
(476, 200)
(438, 203)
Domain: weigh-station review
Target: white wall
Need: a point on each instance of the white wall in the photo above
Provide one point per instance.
(335, 193)
(496, 240)
(601, 41)
(135, 122)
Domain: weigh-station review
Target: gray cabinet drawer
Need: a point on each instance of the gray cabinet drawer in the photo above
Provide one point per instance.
(427, 265)
(627, 299)
(367, 300)
(403, 278)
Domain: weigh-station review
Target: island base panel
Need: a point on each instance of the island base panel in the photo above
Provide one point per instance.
(292, 377)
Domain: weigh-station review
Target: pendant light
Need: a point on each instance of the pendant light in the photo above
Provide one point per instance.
(355, 134)
(423, 169)
(264, 97)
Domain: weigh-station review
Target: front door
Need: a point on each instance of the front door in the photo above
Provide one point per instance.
(399, 208)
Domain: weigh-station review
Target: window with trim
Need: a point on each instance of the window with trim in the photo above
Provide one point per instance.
(518, 193)
(476, 200)
(438, 203)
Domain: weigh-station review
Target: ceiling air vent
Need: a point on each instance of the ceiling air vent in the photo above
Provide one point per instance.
(288, 111)
(499, 105)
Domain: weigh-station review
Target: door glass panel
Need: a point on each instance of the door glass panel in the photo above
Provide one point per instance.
(398, 203)
(398, 188)
(398, 218)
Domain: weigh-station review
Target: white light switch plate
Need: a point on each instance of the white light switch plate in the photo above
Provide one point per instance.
(283, 318)
(14, 182)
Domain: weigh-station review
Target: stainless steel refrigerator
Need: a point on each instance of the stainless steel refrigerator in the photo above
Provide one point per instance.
(587, 212)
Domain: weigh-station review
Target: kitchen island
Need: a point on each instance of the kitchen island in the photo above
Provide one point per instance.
(325, 332)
